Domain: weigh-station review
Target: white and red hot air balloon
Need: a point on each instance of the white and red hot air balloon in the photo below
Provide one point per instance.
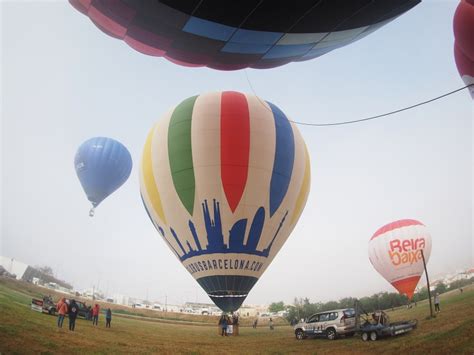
(395, 252)
(463, 26)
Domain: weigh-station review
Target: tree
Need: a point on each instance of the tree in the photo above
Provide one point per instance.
(45, 269)
(440, 288)
(276, 307)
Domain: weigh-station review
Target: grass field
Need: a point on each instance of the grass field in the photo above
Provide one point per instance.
(25, 331)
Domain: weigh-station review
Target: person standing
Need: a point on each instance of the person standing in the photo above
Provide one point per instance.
(436, 302)
(95, 314)
(108, 317)
(223, 324)
(73, 310)
(62, 310)
(270, 323)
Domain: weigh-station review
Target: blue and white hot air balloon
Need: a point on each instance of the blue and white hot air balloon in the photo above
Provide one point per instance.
(102, 165)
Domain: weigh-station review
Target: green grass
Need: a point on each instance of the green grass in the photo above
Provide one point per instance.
(25, 331)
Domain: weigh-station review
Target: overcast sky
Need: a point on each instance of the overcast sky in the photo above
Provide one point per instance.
(64, 81)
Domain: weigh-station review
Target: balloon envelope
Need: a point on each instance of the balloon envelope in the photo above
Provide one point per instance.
(224, 178)
(395, 252)
(102, 166)
(231, 35)
(463, 25)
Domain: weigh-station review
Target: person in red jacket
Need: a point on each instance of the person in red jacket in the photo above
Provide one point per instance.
(95, 314)
(62, 310)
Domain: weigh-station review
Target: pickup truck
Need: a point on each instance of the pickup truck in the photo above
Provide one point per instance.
(379, 326)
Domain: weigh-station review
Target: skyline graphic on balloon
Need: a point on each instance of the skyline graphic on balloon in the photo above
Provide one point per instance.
(224, 178)
(102, 165)
(395, 252)
(463, 27)
(236, 35)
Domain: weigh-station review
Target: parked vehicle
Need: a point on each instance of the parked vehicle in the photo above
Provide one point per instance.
(329, 324)
(83, 309)
(45, 305)
(378, 326)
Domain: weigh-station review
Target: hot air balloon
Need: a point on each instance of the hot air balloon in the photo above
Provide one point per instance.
(395, 252)
(463, 25)
(102, 166)
(232, 35)
(224, 178)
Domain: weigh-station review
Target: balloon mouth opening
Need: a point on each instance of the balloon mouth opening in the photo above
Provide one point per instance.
(226, 295)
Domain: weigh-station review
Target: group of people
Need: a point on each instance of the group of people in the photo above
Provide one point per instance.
(270, 324)
(225, 322)
(71, 308)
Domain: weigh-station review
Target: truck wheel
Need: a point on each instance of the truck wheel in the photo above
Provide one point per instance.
(365, 336)
(52, 311)
(373, 336)
(331, 334)
(299, 334)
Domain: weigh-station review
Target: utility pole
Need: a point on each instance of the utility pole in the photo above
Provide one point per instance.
(427, 283)
(166, 303)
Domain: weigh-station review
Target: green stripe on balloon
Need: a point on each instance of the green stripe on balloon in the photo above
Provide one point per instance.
(180, 152)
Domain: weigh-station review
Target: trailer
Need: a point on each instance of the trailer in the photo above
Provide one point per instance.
(378, 326)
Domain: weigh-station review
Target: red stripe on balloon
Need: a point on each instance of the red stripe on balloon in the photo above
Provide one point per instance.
(395, 225)
(235, 145)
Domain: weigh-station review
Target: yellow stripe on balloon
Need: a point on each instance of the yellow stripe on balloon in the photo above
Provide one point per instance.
(149, 178)
(303, 194)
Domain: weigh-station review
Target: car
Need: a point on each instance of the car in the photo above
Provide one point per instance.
(329, 324)
(44, 305)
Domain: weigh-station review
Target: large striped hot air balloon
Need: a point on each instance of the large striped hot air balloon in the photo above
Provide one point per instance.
(224, 178)
(231, 35)
(463, 24)
(395, 252)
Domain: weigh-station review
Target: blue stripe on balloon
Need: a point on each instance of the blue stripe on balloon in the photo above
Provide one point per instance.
(245, 48)
(255, 37)
(284, 158)
(287, 50)
(208, 29)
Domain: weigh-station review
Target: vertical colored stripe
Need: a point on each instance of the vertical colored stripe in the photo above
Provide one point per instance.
(284, 158)
(180, 152)
(149, 178)
(300, 201)
(235, 145)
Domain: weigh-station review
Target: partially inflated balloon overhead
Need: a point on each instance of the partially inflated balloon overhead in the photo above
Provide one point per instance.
(395, 252)
(224, 178)
(102, 166)
(231, 35)
(463, 25)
